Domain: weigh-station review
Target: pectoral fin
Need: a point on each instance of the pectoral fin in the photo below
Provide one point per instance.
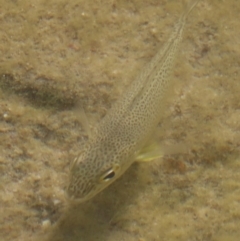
(149, 153)
(82, 117)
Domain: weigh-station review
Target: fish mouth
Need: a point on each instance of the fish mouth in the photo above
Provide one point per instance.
(77, 199)
(71, 198)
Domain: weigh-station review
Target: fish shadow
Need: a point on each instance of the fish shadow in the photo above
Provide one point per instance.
(97, 218)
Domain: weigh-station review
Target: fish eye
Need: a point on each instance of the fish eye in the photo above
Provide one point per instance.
(109, 174)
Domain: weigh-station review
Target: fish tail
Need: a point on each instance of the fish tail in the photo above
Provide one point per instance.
(188, 8)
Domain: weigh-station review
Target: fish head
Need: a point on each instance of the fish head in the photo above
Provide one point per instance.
(91, 172)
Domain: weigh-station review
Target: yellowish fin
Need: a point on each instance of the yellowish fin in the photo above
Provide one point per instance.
(149, 153)
(82, 117)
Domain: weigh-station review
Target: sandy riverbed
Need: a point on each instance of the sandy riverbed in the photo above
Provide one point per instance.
(56, 54)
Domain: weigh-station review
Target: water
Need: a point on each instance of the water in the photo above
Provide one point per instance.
(54, 54)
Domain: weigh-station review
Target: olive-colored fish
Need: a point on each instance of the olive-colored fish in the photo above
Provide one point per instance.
(124, 131)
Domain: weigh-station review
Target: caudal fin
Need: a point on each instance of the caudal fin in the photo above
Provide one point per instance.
(189, 7)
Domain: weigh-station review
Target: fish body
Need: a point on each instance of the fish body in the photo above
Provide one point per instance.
(123, 132)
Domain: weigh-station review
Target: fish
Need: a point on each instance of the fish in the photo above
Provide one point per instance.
(122, 134)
